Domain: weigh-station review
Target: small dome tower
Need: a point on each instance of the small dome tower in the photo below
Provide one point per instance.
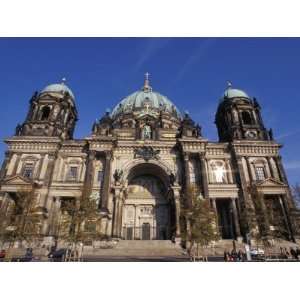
(238, 117)
(52, 112)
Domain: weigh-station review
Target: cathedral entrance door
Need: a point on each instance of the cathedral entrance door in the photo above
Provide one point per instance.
(146, 231)
(147, 208)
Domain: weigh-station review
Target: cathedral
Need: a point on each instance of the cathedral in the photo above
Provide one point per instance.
(137, 163)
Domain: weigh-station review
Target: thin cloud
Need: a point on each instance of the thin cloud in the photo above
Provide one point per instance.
(200, 51)
(152, 46)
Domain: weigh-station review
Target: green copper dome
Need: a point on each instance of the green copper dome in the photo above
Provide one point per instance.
(58, 88)
(146, 99)
(234, 93)
(231, 93)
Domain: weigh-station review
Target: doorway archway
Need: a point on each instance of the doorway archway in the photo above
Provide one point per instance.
(148, 209)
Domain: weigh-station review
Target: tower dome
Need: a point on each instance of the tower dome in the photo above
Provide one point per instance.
(58, 88)
(231, 93)
(146, 99)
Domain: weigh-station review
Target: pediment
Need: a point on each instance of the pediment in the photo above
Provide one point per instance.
(17, 180)
(270, 182)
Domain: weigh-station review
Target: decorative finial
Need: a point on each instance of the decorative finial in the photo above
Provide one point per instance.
(63, 80)
(147, 86)
(229, 84)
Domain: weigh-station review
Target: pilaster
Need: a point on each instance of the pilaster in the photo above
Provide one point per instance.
(204, 176)
(106, 182)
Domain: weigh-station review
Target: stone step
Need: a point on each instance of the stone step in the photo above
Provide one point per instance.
(138, 248)
(146, 244)
(135, 252)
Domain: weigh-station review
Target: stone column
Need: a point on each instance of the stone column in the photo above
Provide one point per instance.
(236, 218)
(49, 176)
(270, 167)
(286, 217)
(106, 182)
(251, 177)
(186, 169)
(50, 168)
(281, 170)
(204, 177)
(290, 203)
(214, 205)
(243, 182)
(187, 178)
(117, 216)
(89, 172)
(40, 167)
(56, 217)
(243, 192)
(176, 193)
(7, 158)
(14, 172)
(229, 171)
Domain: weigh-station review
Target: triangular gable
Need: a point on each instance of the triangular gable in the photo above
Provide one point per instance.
(270, 182)
(17, 179)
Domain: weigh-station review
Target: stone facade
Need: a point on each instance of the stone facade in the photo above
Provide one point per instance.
(137, 163)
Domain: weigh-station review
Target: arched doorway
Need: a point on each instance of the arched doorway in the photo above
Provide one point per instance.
(148, 210)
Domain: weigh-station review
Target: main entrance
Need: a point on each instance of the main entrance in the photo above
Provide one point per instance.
(147, 209)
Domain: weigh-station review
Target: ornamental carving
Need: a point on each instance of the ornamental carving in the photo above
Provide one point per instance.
(147, 153)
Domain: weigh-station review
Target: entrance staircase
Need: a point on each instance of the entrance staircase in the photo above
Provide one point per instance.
(137, 248)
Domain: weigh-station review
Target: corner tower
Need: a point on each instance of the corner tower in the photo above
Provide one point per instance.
(238, 117)
(52, 113)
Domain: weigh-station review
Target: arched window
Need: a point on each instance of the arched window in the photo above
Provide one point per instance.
(246, 118)
(45, 113)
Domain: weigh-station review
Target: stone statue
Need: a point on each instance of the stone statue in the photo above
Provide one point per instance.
(172, 178)
(256, 104)
(34, 96)
(118, 175)
(271, 134)
(198, 130)
(94, 128)
(18, 129)
(147, 132)
(55, 112)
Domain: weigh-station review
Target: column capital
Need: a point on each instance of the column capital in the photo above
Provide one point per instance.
(186, 156)
(202, 156)
(92, 154)
(108, 155)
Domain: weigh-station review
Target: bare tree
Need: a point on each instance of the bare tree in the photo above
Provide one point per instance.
(85, 219)
(24, 223)
(201, 220)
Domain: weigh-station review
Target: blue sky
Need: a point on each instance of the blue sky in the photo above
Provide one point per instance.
(192, 72)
